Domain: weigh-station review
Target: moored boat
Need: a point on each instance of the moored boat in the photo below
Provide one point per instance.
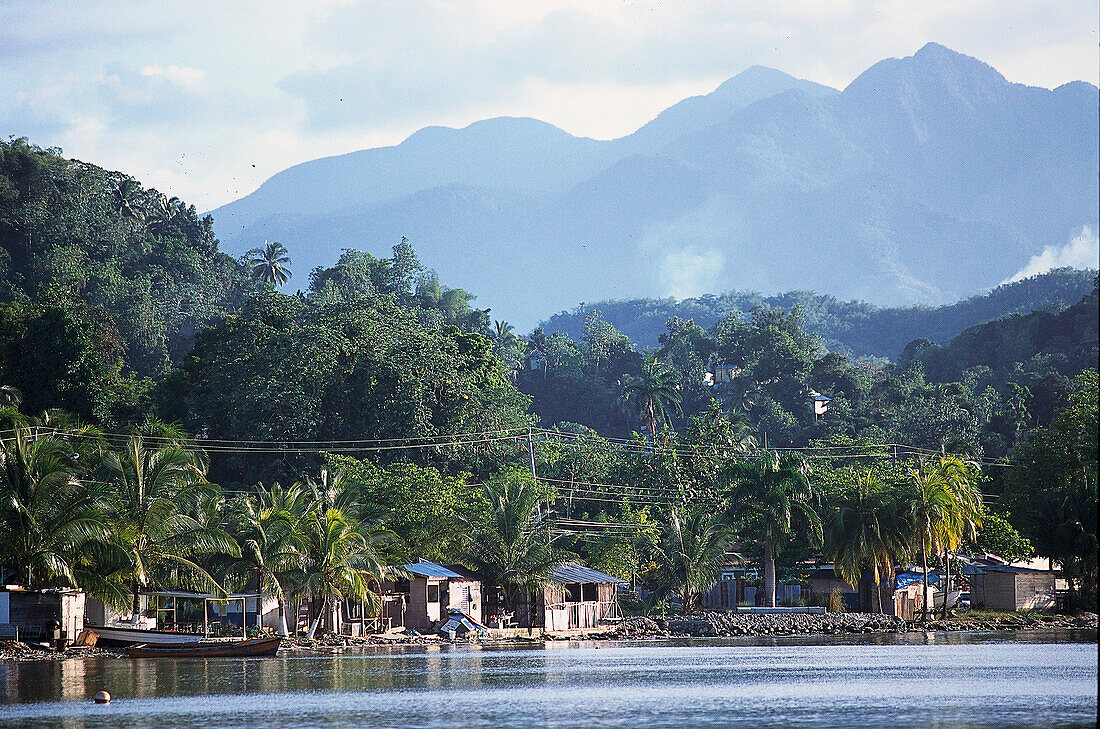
(119, 636)
(952, 599)
(236, 649)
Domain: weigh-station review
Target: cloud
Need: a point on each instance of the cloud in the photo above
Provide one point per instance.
(1081, 252)
(184, 76)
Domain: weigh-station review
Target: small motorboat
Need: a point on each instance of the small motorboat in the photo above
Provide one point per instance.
(952, 599)
(235, 649)
(120, 635)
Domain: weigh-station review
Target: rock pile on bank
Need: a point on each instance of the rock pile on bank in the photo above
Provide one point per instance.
(1014, 621)
(732, 624)
(11, 650)
(729, 624)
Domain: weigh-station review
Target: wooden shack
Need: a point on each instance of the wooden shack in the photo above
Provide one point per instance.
(30, 614)
(580, 597)
(424, 599)
(1004, 587)
(824, 580)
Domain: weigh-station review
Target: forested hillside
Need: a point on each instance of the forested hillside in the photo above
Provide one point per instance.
(980, 392)
(853, 328)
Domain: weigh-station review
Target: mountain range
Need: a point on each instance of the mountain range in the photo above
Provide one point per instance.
(927, 179)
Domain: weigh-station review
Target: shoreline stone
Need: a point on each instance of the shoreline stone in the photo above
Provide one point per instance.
(730, 624)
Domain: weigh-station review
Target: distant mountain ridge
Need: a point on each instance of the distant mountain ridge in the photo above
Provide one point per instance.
(929, 178)
(851, 327)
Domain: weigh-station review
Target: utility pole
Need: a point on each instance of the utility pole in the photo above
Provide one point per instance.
(531, 452)
(535, 476)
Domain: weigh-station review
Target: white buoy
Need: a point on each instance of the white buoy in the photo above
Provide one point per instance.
(103, 697)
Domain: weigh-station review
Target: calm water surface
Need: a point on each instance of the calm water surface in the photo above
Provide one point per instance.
(924, 680)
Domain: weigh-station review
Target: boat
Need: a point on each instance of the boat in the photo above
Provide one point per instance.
(121, 636)
(952, 599)
(235, 649)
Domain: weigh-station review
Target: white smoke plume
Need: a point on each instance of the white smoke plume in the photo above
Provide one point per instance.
(1081, 252)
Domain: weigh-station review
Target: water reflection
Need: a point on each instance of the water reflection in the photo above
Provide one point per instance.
(945, 679)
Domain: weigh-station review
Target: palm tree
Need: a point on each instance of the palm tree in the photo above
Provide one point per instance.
(944, 506)
(767, 494)
(864, 529)
(333, 490)
(654, 394)
(164, 212)
(125, 199)
(47, 515)
(154, 491)
(691, 551)
(504, 333)
(340, 560)
(270, 263)
(961, 476)
(271, 544)
(513, 550)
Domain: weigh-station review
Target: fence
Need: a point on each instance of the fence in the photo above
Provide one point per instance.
(784, 595)
(569, 615)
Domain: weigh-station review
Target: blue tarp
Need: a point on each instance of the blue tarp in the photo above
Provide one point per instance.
(908, 578)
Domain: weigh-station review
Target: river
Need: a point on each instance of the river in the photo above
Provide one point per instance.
(911, 680)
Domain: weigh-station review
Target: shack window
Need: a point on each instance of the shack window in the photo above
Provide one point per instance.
(590, 592)
(573, 592)
(433, 593)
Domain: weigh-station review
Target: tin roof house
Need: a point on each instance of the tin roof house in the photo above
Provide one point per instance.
(425, 598)
(50, 614)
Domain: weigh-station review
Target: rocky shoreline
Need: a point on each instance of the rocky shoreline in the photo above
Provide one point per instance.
(727, 624)
(704, 625)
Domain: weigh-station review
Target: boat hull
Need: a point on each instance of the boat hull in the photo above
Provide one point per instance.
(240, 649)
(952, 599)
(109, 635)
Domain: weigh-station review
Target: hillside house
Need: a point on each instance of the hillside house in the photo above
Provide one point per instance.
(722, 373)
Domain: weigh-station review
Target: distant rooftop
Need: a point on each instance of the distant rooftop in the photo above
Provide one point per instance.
(431, 569)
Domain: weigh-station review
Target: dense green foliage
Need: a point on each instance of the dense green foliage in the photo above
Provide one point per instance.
(970, 396)
(853, 328)
(71, 231)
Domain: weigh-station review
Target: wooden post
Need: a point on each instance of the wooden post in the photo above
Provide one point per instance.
(205, 622)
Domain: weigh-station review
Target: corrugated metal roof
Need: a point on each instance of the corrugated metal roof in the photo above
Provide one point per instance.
(431, 569)
(574, 572)
(1015, 570)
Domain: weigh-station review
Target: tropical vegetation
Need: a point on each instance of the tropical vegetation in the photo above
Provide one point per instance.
(378, 416)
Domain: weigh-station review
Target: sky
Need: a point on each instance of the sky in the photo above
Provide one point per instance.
(207, 99)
